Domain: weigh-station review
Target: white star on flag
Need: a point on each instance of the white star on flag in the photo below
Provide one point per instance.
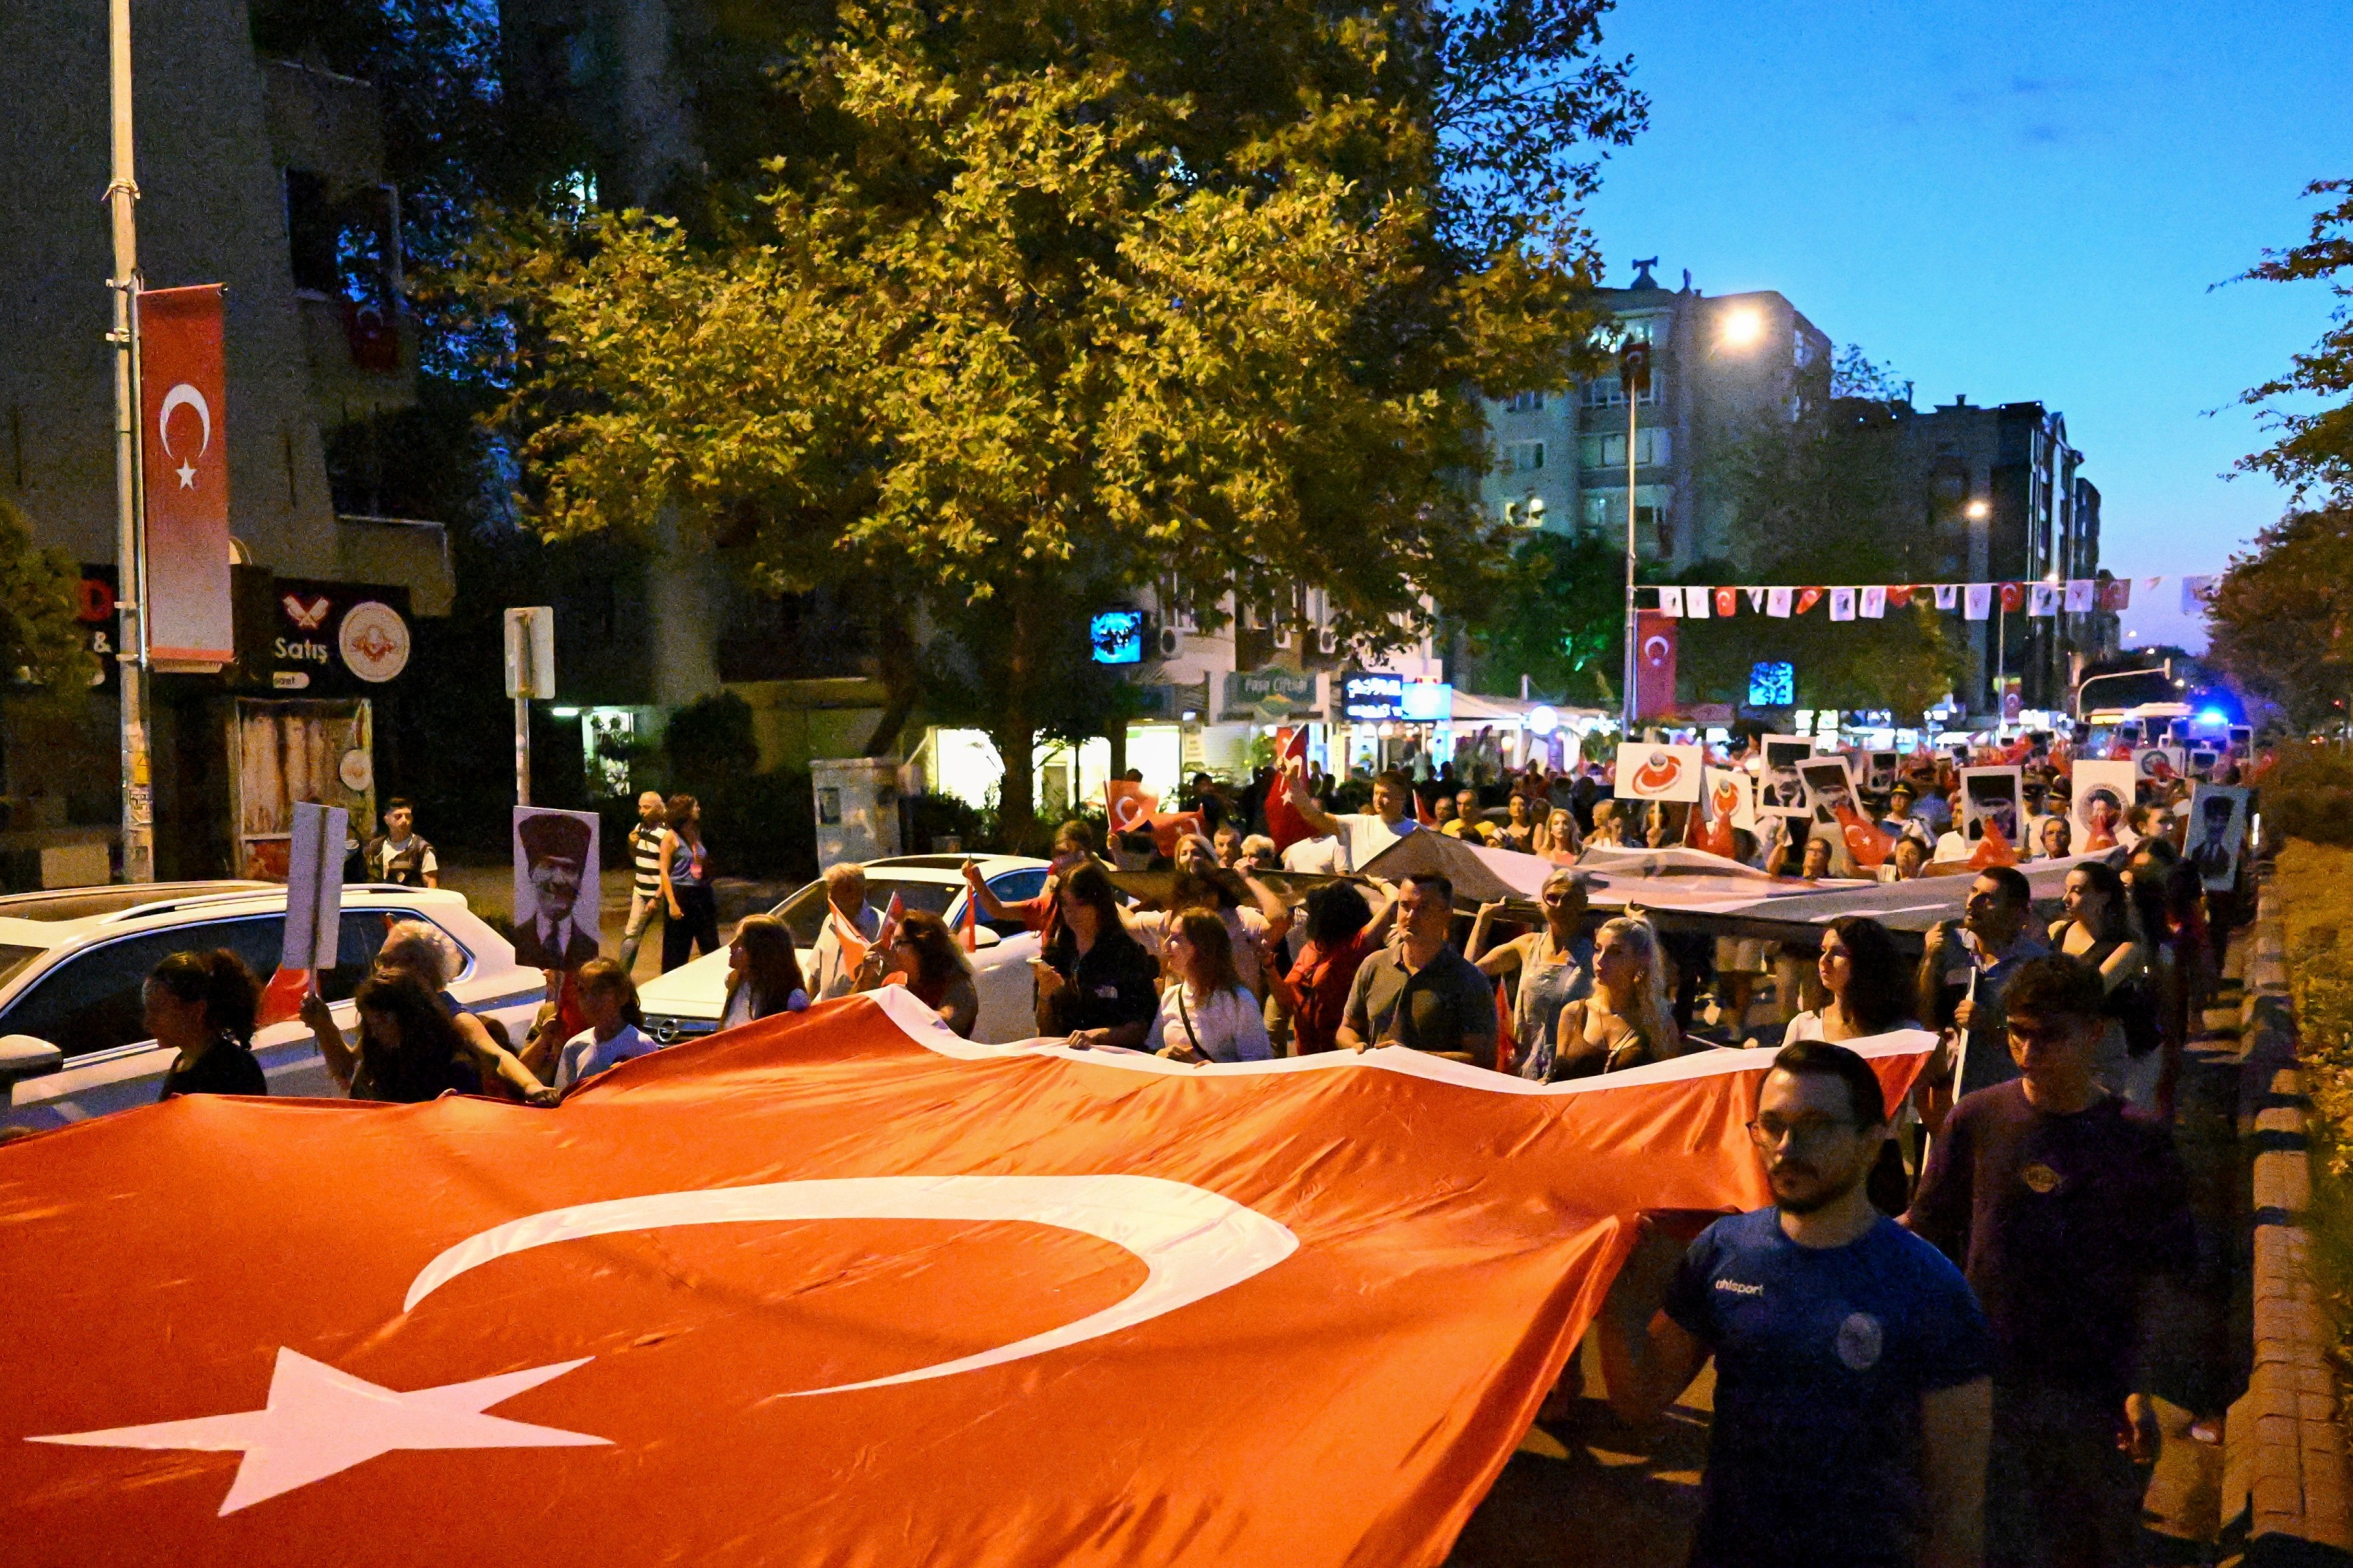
(187, 472)
(318, 1422)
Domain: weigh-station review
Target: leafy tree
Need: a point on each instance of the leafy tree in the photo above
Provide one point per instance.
(1035, 324)
(1817, 498)
(2280, 619)
(1557, 616)
(43, 649)
(2314, 451)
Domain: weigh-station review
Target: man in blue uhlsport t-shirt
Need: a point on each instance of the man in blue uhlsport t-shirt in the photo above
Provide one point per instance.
(1851, 1400)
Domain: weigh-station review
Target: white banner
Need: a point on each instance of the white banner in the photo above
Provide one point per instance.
(1646, 771)
(315, 886)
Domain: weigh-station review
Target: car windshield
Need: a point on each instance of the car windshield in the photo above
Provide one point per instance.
(804, 912)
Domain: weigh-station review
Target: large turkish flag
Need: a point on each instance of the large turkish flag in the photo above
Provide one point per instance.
(835, 1288)
(1654, 663)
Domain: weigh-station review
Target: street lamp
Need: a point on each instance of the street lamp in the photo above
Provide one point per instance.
(2118, 675)
(1741, 327)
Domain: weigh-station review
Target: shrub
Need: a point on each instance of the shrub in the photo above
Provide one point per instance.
(2309, 795)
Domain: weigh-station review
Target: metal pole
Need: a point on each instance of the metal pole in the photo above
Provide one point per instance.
(523, 751)
(1632, 654)
(2001, 661)
(131, 656)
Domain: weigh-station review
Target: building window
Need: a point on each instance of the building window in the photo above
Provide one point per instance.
(1524, 456)
(1524, 403)
(1654, 444)
(1603, 391)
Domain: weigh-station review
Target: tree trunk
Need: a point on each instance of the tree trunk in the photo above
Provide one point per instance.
(1015, 732)
(897, 661)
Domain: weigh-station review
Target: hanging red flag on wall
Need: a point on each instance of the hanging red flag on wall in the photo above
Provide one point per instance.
(1654, 663)
(183, 428)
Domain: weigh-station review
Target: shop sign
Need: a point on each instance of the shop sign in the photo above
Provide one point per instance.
(1269, 694)
(321, 637)
(1372, 697)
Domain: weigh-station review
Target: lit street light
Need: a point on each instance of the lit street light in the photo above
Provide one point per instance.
(1741, 327)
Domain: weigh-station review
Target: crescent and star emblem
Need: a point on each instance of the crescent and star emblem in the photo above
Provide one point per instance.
(1655, 649)
(184, 395)
(318, 1421)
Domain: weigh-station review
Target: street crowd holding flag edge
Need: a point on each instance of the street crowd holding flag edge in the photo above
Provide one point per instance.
(1255, 924)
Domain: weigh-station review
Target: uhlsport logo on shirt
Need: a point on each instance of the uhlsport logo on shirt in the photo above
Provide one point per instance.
(1736, 1287)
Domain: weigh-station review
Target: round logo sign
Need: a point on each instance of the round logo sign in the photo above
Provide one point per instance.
(1859, 1342)
(1659, 773)
(374, 641)
(358, 770)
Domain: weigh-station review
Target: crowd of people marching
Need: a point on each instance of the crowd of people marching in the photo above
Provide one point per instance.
(2040, 1197)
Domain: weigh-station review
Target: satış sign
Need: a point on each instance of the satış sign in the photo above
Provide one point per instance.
(1371, 696)
(1269, 694)
(333, 636)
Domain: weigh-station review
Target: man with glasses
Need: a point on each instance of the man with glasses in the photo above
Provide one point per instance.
(1850, 1391)
(2063, 1208)
(1420, 991)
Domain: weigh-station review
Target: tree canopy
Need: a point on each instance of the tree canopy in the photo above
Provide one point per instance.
(44, 648)
(2314, 451)
(1028, 323)
(2280, 622)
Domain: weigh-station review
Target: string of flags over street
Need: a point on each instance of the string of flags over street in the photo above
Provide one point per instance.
(1972, 601)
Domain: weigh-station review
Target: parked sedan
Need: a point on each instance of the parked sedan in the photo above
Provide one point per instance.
(73, 964)
(688, 1000)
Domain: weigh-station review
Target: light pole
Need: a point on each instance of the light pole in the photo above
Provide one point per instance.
(2116, 675)
(1633, 380)
(130, 557)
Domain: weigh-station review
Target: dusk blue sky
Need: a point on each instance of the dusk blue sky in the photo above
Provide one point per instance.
(2012, 201)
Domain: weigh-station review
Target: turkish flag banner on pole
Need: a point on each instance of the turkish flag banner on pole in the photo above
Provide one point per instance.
(833, 1287)
(184, 475)
(1654, 663)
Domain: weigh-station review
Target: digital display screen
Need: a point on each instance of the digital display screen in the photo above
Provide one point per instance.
(1117, 636)
(1372, 697)
(1772, 684)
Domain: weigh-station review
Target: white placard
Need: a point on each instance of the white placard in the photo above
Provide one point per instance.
(2104, 794)
(1779, 791)
(1731, 794)
(315, 886)
(1646, 772)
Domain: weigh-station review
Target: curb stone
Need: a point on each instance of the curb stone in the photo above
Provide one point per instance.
(2285, 1468)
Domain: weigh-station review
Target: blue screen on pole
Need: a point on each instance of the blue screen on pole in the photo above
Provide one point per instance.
(1117, 636)
(1772, 684)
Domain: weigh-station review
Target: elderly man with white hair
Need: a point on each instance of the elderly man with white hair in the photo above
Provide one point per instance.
(850, 927)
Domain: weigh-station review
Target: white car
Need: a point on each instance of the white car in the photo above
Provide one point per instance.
(73, 965)
(688, 999)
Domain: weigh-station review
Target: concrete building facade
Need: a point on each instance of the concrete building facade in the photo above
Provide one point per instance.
(1722, 366)
(266, 176)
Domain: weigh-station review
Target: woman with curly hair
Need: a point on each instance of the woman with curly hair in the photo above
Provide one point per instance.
(203, 1007)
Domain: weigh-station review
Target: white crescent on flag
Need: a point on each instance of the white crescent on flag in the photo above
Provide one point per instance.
(1193, 1242)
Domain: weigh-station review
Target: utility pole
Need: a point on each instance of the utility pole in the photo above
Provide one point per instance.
(1633, 380)
(130, 557)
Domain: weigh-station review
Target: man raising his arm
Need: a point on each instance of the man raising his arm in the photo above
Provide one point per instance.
(1851, 1398)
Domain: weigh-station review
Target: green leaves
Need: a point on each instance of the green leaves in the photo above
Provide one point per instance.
(2315, 450)
(2281, 620)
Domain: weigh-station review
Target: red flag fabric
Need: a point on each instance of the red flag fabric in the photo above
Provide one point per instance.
(282, 998)
(969, 928)
(2013, 594)
(184, 446)
(1128, 805)
(1283, 823)
(1994, 849)
(1505, 1030)
(1421, 812)
(832, 1287)
(1169, 826)
(1728, 602)
(1807, 599)
(1654, 666)
(1898, 595)
(2115, 594)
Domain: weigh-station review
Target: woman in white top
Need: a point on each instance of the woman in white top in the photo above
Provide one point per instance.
(1251, 931)
(1555, 966)
(1867, 984)
(1205, 1015)
(764, 973)
(609, 997)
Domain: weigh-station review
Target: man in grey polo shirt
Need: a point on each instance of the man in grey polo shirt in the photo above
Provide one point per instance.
(1421, 993)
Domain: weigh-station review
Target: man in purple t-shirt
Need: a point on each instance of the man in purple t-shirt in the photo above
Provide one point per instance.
(2061, 1208)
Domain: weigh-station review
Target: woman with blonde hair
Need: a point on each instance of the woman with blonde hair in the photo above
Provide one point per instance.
(923, 956)
(764, 973)
(1626, 1021)
(1557, 834)
(1206, 1014)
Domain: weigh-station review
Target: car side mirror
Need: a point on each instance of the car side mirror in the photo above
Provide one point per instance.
(23, 1057)
(982, 936)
